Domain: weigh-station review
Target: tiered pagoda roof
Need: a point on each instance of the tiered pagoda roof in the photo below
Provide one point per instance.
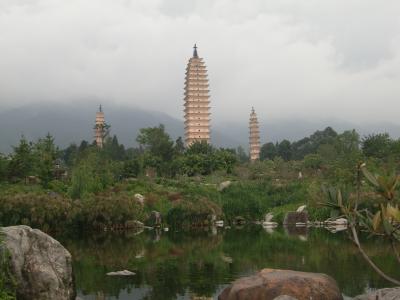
(254, 139)
(197, 101)
(99, 128)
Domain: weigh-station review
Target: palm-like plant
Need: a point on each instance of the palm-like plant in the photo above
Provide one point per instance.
(384, 221)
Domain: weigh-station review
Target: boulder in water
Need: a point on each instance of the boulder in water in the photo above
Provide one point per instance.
(269, 284)
(292, 218)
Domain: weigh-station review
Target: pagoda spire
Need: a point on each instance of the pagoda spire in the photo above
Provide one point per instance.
(254, 139)
(197, 101)
(195, 51)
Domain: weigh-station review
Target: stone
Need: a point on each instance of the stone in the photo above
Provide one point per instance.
(139, 199)
(268, 217)
(224, 185)
(121, 273)
(301, 208)
(156, 217)
(339, 221)
(291, 218)
(41, 266)
(269, 284)
(133, 224)
(382, 294)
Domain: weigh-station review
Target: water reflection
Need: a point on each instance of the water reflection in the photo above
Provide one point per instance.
(198, 265)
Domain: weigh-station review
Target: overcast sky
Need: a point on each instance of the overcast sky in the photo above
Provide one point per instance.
(309, 59)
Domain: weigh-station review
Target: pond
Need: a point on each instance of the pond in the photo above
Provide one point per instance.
(200, 264)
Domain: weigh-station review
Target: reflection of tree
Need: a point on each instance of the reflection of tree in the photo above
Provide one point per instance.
(182, 263)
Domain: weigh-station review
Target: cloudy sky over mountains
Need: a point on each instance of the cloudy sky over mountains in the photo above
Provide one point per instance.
(332, 59)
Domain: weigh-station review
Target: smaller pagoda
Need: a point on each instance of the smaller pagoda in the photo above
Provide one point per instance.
(254, 139)
(101, 129)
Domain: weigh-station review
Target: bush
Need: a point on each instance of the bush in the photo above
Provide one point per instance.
(43, 211)
(189, 213)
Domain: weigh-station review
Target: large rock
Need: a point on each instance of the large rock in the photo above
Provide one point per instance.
(293, 218)
(269, 284)
(41, 266)
(382, 294)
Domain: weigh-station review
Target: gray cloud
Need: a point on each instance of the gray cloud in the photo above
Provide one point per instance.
(288, 58)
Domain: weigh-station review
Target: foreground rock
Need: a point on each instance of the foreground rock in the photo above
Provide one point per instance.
(41, 266)
(382, 294)
(269, 284)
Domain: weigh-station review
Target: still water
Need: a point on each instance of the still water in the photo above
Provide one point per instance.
(198, 265)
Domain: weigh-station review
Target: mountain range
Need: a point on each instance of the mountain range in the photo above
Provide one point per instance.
(71, 123)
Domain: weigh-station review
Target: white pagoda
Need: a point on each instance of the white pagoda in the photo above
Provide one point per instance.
(197, 101)
(254, 139)
(100, 128)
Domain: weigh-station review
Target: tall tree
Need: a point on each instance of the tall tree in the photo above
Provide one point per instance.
(157, 142)
(377, 145)
(21, 164)
(268, 151)
(285, 150)
(3, 167)
(179, 146)
(45, 154)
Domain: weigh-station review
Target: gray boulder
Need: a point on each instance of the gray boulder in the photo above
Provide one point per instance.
(40, 265)
(382, 294)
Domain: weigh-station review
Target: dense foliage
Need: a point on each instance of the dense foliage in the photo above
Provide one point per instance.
(87, 186)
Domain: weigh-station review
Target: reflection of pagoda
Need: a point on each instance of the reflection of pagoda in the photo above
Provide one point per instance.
(254, 139)
(100, 128)
(197, 110)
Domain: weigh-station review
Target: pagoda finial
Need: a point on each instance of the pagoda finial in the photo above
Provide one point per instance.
(100, 109)
(195, 51)
(252, 109)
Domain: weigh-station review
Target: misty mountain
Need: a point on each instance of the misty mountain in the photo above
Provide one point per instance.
(70, 123)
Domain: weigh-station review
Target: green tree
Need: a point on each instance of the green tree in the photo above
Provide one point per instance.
(45, 154)
(157, 142)
(113, 149)
(179, 146)
(200, 147)
(377, 145)
(268, 151)
(3, 167)
(131, 168)
(93, 173)
(285, 150)
(22, 163)
(70, 154)
(242, 155)
(311, 144)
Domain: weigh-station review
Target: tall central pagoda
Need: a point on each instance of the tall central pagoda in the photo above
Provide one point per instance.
(197, 101)
(254, 139)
